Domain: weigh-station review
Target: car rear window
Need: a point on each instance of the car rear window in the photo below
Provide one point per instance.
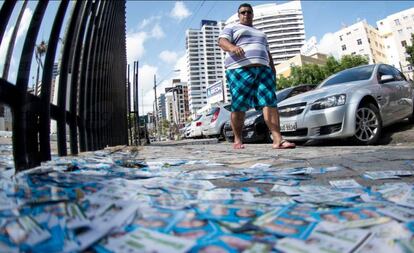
(350, 75)
(212, 111)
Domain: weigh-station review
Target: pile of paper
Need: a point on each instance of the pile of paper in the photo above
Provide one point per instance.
(115, 202)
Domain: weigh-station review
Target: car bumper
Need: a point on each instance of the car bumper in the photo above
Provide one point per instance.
(257, 132)
(335, 122)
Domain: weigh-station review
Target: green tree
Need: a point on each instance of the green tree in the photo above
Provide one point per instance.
(350, 61)
(410, 51)
(315, 74)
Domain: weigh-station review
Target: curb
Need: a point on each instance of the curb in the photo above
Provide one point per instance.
(186, 142)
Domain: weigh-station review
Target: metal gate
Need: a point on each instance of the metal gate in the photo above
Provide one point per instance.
(91, 90)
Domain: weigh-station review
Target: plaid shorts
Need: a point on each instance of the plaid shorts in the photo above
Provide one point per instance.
(251, 87)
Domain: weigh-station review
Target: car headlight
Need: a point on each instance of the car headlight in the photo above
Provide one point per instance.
(328, 102)
(250, 120)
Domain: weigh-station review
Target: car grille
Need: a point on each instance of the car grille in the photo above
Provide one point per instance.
(292, 110)
(298, 132)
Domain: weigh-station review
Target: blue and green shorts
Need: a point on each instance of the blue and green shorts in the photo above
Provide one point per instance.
(251, 87)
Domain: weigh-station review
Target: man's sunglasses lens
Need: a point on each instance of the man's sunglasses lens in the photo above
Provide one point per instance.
(245, 12)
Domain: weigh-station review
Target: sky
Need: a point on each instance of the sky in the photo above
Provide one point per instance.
(156, 32)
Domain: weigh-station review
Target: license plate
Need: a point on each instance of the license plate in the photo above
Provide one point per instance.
(288, 127)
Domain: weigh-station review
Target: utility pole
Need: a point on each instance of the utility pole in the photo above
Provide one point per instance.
(137, 105)
(156, 107)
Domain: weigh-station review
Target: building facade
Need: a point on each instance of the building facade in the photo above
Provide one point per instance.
(396, 30)
(361, 39)
(179, 102)
(283, 25)
(162, 112)
(284, 68)
(205, 61)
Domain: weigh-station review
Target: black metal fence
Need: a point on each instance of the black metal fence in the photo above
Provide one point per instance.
(91, 105)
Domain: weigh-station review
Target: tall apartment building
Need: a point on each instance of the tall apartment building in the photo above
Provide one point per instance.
(162, 113)
(169, 107)
(396, 30)
(283, 24)
(361, 39)
(179, 107)
(205, 64)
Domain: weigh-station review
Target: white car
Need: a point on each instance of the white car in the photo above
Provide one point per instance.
(195, 129)
(217, 116)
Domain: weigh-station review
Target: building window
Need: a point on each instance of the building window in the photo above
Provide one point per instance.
(405, 17)
(340, 38)
(400, 31)
(397, 21)
(359, 41)
(369, 41)
(404, 43)
(348, 33)
(353, 53)
(343, 47)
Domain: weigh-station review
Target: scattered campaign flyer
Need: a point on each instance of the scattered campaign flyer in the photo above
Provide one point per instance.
(344, 184)
(146, 240)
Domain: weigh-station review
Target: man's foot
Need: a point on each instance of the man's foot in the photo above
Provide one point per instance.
(284, 144)
(238, 146)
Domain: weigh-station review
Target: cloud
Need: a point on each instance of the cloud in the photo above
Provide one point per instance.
(147, 21)
(181, 66)
(328, 45)
(168, 56)
(136, 42)
(157, 32)
(24, 25)
(180, 11)
(135, 45)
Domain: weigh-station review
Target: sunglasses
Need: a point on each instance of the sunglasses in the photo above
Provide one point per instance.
(246, 12)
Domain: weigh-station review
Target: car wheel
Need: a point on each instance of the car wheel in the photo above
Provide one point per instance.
(222, 135)
(368, 125)
(411, 118)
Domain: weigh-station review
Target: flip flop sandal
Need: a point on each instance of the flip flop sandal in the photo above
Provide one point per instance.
(284, 144)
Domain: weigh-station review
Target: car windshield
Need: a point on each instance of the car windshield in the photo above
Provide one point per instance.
(350, 75)
(282, 94)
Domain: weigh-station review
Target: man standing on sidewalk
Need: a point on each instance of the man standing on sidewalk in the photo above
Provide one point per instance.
(251, 74)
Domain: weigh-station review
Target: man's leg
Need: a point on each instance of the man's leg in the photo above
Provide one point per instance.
(271, 117)
(237, 122)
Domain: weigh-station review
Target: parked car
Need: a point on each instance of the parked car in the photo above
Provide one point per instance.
(356, 103)
(182, 131)
(255, 128)
(218, 115)
(195, 129)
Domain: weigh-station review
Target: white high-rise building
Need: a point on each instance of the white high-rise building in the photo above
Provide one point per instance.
(396, 30)
(205, 62)
(283, 24)
(361, 39)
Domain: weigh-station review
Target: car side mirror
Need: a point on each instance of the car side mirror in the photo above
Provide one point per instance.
(387, 78)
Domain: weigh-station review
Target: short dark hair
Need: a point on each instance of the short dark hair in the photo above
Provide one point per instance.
(244, 5)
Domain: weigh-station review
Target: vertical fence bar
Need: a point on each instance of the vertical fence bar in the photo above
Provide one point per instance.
(44, 117)
(24, 152)
(74, 87)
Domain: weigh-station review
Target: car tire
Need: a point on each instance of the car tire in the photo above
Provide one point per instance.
(368, 125)
(222, 135)
(411, 118)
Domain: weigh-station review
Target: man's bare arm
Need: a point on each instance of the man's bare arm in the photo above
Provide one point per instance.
(272, 65)
(227, 46)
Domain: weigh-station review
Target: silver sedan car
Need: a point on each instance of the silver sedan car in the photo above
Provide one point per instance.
(356, 103)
